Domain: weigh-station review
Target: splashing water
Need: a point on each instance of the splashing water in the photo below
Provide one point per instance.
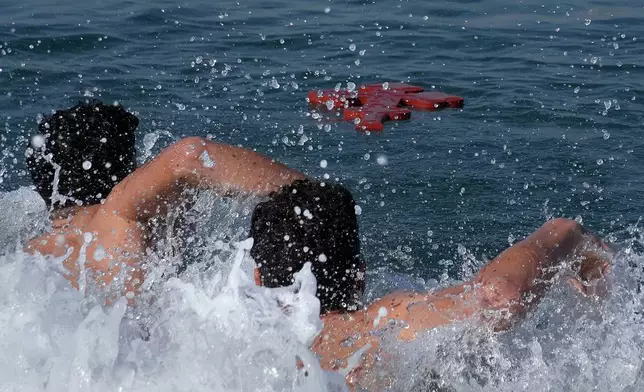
(211, 328)
(203, 331)
(568, 343)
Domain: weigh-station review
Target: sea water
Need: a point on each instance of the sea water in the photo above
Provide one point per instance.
(551, 127)
(211, 328)
(206, 330)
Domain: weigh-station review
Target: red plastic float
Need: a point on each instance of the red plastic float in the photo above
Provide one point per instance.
(373, 104)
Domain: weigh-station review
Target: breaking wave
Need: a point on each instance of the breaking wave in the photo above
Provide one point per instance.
(211, 328)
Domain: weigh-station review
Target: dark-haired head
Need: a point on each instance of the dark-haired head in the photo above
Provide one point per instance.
(91, 146)
(310, 222)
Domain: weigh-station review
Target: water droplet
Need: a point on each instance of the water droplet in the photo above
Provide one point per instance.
(327, 10)
(99, 253)
(382, 160)
(600, 162)
(351, 86)
(323, 163)
(87, 165)
(37, 141)
(206, 160)
(461, 250)
(322, 257)
(587, 22)
(577, 89)
(385, 86)
(357, 209)
(352, 47)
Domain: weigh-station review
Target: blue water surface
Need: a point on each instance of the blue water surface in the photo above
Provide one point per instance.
(551, 124)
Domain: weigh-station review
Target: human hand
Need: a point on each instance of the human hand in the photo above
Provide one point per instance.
(591, 267)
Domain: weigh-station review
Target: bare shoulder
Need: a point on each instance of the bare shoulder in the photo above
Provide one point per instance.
(66, 227)
(59, 243)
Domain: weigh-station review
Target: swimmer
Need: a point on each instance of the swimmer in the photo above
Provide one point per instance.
(83, 165)
(500, 294)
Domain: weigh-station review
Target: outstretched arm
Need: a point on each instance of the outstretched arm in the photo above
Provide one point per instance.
(518, 277)
(515, 280)
(120, 223)
(500, 293)
(194, 162)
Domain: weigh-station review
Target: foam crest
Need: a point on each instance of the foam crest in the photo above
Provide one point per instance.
(211, 328)
(214, 330)
(568, 343)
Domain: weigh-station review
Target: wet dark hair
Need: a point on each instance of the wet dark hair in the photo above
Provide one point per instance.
(93, 144)
(310, 222)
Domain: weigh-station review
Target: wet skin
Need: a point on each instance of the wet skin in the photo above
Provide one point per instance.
(120, 231)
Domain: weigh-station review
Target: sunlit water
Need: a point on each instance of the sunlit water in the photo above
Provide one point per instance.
(213, 329)
(551, 127)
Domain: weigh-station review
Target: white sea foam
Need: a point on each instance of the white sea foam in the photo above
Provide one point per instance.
(568, 343)
(207, 331)
(212, 329)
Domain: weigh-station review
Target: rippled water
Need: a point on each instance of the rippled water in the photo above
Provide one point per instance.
(551, 127)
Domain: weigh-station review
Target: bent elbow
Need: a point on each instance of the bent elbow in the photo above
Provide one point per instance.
(503, 303)
(189, 147)
(184, 155)
(562, 227)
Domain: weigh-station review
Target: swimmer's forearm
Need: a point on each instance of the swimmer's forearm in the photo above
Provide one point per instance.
(515, 280)
(224, 166)
(518, 277)
(194, 162)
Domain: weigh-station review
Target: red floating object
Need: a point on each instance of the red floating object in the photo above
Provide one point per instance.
(373, 104)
